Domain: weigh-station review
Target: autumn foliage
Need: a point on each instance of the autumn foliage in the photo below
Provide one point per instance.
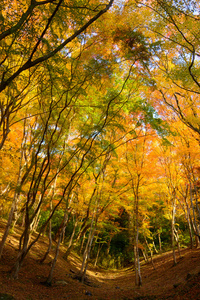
(99, 128)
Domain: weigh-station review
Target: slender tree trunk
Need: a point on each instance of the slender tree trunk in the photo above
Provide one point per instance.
(188, 218)
(49, 236)
(95, 242)
(138, 277)
(62, 232)
(154, 247)
(8, 225)
(13, 207)
(151, 254)
(177, 241)
(81, 233)
(88, 256)
(72, 235)
(98, 252)
(172, 231)
(131, 228)
(35, 222)
(82, 243)
(50, 244)
(160, 242)
(196, 201)
(87, 248)
(16, 215)
(108, 245)
(135, 263)
(196, 229)
(23, 250)
(53, 188)
(195, 235)
(23, 218)
(4, 192)
(138, 260)
(144, 255)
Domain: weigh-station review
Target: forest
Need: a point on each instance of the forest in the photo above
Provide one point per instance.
(100, 129)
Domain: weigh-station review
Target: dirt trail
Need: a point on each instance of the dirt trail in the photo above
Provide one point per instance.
(179, 282)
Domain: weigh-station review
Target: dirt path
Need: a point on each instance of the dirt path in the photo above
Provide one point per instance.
(165, 282)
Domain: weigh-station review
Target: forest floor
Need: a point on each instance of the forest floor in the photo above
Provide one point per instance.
(166, 281)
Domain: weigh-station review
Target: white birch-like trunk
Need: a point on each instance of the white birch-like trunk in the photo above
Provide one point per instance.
(172, 231)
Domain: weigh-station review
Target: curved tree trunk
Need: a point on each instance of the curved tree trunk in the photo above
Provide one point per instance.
(23, 251)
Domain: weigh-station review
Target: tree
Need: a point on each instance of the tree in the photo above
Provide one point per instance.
(135, 165)
(175, 27)
(27, 48)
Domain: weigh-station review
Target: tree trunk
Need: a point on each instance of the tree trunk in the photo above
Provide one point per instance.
(81, 233)
(188, 218)
(135, 263)
(154, 247)
(137, 241)
(195, 235)
(196, 201)
(159, 240)
(172, 230)
(50, 221)
(151, 254)
(35, 222)
(62, 232)
(144, 255)
(82, 243)
(196, 231)
(50, 244)
(98, 252)
(23, 251)
(72, 235)
(8, 225)
(49, 236)
(108, 245)
(87, 250)
(138, 277)
(13, 208)
(177, 241)
(87, 256)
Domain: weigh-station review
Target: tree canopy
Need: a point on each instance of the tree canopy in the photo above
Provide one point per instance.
(99, 127)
